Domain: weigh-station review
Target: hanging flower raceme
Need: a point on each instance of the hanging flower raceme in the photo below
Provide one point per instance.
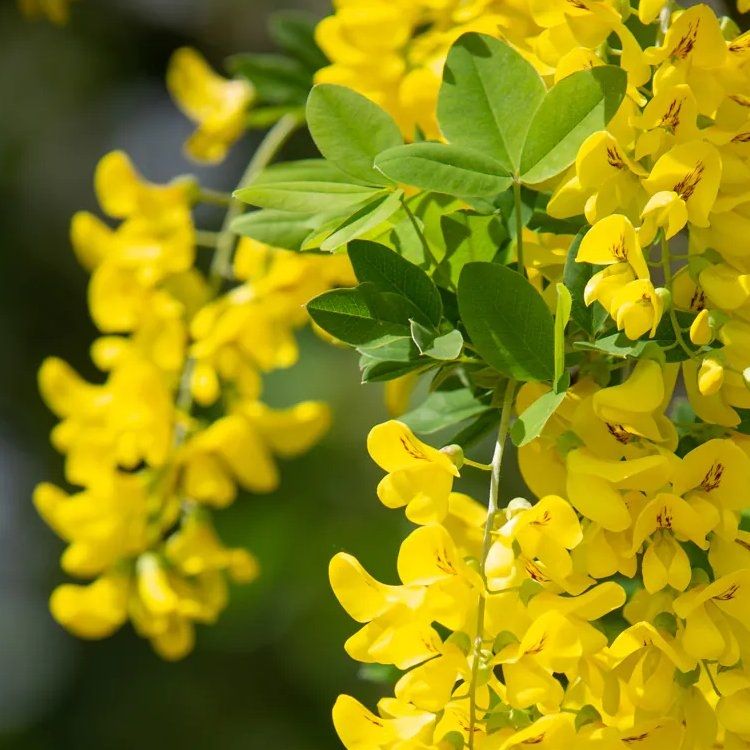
(149, 461)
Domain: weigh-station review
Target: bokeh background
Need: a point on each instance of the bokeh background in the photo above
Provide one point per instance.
(267, 674)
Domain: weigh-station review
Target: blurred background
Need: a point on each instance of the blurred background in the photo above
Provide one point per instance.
(268, 673)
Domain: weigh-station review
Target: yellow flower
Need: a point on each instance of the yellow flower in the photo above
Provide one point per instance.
(360, 729)
(668, 519)
(419, 477)
(93, 611)
(218, 106)
(692, 172)
(710, 376)
(637, 308)
(718, 470)
(239, 449)
(613, 240)
(606, 181)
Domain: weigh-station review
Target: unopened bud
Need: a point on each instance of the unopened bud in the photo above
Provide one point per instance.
(665, 296)
(701, 331)
(710, 376)
(455, 453)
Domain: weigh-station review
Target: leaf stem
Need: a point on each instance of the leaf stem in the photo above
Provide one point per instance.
(666, 264)
(224, 241)
(492, 508)
(519, 226)
(269, 148)
(214, 197)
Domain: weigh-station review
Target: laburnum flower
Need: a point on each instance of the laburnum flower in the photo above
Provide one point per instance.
(419, 476)
(127, 420)
(239, 449)
(217, 105)
(605, 181)
(684, 184)
(692, 51)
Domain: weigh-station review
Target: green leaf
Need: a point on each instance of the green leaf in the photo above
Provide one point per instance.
(443, 409)
(576, 107)
(277, 79)
(468, 237)
(575, 277)
(356, 316)
(304, 170)
(488, 98)
(562, 316)
(440, 168)
(619, 345)
(351, 131)
(391, 349)
(389, 272)
(507, 320)
(306, 197)
(367, 218)
(374, 371)
(531, 423)
(275, 228)
(294, 32)
(431, 344)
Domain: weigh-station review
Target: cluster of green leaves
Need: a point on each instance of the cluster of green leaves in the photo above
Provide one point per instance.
(282, 80)
(431, 229)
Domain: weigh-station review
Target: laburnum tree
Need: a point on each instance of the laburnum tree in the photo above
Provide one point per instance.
(536, 214)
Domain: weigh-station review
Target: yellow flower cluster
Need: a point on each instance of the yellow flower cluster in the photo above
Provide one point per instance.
(614, 611)
(177, 425)
(513, 629)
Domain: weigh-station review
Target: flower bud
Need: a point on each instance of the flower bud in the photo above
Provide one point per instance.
(710, 376)
(665, 296)
(455, 453)
(701, 330)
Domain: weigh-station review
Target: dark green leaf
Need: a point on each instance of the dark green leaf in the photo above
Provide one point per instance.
(575, 277)
(441, 168)
(468, 237)
(391, 349)
(507, 320)
(443, 409)
(389, 272)
(374, 371)
(576, 107)
(531, 423)
(350, 131)
(488, 98)
(356, 316)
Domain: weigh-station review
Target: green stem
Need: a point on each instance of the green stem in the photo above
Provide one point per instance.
(711, 678)
(214, 197)
(269, 148)
(666, 264)
(492, 509)
(519, 226)
(477, 465)
(204, 238)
